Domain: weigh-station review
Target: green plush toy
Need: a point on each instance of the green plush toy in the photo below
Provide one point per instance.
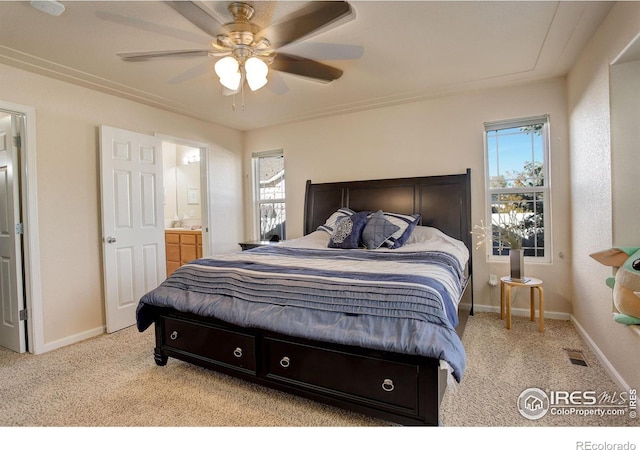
(626, 283)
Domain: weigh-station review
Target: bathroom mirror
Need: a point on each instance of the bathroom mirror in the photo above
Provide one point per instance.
(182, 206)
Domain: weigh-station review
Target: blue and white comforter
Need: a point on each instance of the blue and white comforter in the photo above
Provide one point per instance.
(404, 302)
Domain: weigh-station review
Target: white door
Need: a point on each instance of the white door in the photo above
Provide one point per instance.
(132, 221)
(12, 329)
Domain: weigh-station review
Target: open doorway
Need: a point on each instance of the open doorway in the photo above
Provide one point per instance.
(182, 191)
(20, 299)
(185, 180)
(12, 324)
(134, 245)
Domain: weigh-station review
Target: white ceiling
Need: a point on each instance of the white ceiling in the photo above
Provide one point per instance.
(392, 52)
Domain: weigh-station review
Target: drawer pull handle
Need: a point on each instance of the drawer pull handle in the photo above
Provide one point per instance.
(285, 362)
(174, 335)
(237, 352)
(387, 385)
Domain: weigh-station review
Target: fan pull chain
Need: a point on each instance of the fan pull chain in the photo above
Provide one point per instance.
(242, 94)
(233, 102)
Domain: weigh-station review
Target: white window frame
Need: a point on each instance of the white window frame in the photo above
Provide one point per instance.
(255, 157)
(544, 190)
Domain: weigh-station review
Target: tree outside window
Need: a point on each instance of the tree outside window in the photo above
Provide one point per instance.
(269, 181)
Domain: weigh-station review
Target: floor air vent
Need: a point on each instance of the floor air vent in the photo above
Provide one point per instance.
(576, 357)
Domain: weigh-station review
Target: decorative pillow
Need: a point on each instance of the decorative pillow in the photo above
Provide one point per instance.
(331, 221)
(405, 223)
(347, 232)
(377, 231)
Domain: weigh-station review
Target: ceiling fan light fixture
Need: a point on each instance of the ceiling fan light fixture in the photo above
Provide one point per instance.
(256, 71)
(226, 67)
(256, 67)
(231, 81)
(227, 70)
(256, 83)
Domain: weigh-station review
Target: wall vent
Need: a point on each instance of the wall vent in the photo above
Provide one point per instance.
(576, 357)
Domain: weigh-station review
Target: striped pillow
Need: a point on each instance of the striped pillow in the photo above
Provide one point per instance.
(405, 223)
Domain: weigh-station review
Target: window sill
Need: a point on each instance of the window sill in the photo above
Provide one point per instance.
(527, 260)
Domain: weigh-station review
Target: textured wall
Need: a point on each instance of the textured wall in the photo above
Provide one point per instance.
(591, 191)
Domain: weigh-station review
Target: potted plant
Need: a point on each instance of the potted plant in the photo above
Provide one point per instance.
(507, 230)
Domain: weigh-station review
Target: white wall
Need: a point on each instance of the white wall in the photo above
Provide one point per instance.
(439, 136)
(67, 120)
(593, 220)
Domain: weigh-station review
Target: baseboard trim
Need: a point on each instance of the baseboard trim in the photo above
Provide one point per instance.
(72, 339)
(522, 312)
(613, 373)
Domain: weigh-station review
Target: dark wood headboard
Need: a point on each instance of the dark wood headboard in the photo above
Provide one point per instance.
(444, 201)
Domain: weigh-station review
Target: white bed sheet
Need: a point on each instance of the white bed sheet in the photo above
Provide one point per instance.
(422, 239)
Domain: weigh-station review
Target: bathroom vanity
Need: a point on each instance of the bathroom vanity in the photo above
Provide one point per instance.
(182, 246)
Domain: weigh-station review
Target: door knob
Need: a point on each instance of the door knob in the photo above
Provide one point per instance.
(111, 240)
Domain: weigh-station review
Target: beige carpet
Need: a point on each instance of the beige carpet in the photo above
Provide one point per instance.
(112, 380)
(502, 363)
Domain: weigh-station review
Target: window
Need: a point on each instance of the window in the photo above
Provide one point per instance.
(517, 180)
(269, 194)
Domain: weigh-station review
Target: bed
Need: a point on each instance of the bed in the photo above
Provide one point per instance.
(374, 330)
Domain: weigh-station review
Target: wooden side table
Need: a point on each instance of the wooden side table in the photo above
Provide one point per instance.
(506, 283)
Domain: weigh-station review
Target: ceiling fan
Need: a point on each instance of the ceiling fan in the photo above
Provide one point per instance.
(246, 50)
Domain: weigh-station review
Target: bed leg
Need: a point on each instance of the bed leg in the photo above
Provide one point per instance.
(160, 359)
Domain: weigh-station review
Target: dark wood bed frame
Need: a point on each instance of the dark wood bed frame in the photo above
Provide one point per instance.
(404, 389)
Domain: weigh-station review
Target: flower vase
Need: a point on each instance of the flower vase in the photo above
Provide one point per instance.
(516, 264)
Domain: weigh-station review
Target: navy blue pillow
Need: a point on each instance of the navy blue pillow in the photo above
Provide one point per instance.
(347, 232)
(333, 219)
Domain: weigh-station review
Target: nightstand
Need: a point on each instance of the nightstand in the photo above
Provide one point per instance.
(534, 284)
(253, 244)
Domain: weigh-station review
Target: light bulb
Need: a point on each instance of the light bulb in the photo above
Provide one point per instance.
(256, 67)
(256, 83)
(256, 70)
(226, 67)
(231, 81)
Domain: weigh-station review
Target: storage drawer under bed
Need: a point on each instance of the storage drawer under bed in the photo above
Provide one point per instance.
(218, 345)
(370, 379)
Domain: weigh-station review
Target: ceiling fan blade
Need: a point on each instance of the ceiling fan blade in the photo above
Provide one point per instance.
(277, 84)
(145, 25)
(198, 16)
(309, 19)
(200, 69)
(145, 56)
(325, 51)
(304, 67)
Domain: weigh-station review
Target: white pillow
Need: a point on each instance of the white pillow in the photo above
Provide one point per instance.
(423, 234)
